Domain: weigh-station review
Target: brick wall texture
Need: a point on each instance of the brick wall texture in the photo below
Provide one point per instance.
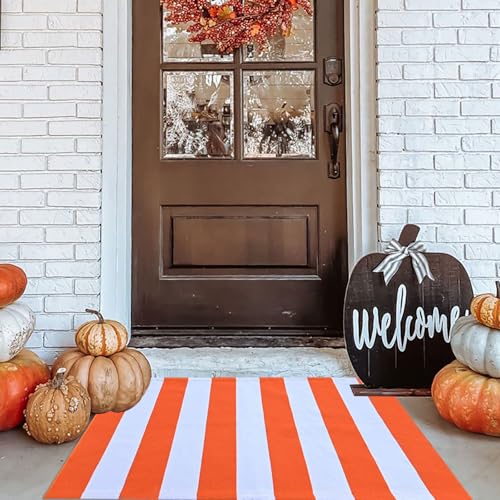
(438, 90)
(439, 127)
(50, 158)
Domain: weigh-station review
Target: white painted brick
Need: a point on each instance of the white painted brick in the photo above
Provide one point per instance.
(90, 39)
(45, 217)
(390, 107)
(41, 181)
(432, 143)
(392, 179)
(463, 198)
(496, 126)
(87, 286)
(495, 19)
(75, 127)
(89, 6)
(404, 89)
(50, 110)
(23, 22)
(462, 53)
(10, 110)
(390, 143)
(23, 92)
(75, 92)
(50, 39)
(9, 181)
(17, 163)
(404, 19)
(432, 4)
(406, 54)
(462, 126)
(389, 36)
(400, 197)
(59, 339)
(481, 4)
(22, 128)
(84, 145)
(390, 4)
(9, 252)
(21, 56)
(73, 234)
(479, 216)
(434, 179)
(54, 322)
(482, 251)
(49, 286)
(495, 162)
(481, 143)
(89, 110)
(389, 232)
(47, 145)
(496, 90)
(81, 162)
(12, 5)
(389, 71)
(32, 270)
(74, 199)
(459, 19)
(430, 71)
(49, 5)
(48, 73)
(82, 56)
(80, 269)
(481, 108)
(483, 180)
(496, 234)
(75, 22)
(465, 234)
(406, 161)
(405, 125)
(20, 234)
(435, 215)
(392, 215)
(36, 339)
(432, 107)
(90, 74)
(47, 252)
(21, 199)
(480, 269)
(70, 304)
(8, 146)
(8, 217)
(11, 39)
(34, 303)
(10, 73)
(462, 89)
(432, 36)
(88, 251)
(489, 71)
(88, 181)
(479, 36)
(88, 217)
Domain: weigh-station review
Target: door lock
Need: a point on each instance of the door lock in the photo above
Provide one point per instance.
(333, 126)
(332, 71)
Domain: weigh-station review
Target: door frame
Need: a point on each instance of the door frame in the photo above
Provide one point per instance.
(116, 216)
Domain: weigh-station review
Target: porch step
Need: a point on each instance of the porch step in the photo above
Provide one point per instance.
(249, 362)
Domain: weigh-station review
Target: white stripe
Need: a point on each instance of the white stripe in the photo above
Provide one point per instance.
(182, 474)
(399, 474)
(325, 470)
(253, 465)
(110, 474)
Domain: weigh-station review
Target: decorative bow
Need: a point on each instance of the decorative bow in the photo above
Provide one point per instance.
(397, 253)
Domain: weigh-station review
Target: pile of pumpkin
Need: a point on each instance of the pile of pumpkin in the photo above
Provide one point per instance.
(467, 391)
(100, 375)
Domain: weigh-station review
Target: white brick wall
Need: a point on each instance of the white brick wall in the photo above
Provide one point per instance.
(439, 127)
(50, 161)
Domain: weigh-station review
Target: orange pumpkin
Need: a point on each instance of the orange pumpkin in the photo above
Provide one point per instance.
(18, 379)
(486, 308)
(467, 399)
(101, 337)
(13, 282)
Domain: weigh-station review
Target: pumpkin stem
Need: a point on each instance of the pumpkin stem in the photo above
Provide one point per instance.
(59, 378)
(498, 289)
(408, 234)
(97, 313)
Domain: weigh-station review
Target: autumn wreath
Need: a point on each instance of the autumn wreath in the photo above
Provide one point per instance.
(233, 23)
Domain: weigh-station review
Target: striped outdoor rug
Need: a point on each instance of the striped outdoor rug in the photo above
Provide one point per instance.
(256, 439)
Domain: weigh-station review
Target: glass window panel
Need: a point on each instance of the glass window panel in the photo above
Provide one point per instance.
(178, 48)
(198, 114)
(299, 46)
(278, 114)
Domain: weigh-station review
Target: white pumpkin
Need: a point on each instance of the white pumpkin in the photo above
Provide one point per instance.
(476, 346)
(17, 323)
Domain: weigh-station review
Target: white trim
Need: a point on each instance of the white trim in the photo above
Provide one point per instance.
(361, 127)
(117, 161)
(117, 143)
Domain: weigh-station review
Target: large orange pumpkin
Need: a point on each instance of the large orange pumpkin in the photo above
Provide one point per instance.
(13, 282)
(486, 308)
(18, 379)
(467, 399)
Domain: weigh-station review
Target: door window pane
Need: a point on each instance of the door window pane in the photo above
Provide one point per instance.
(178, 48)
(198, 114)
(278, 114)
(298, 46)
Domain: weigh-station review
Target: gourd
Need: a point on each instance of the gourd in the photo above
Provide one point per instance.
(114, 383)
(476, 346)
(486, 308)
(101, 337)
(58, 411)
(13, 282)
(18, 379)
(467, 399)
(17, 322)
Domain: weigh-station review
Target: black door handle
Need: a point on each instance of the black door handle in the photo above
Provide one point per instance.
(333, 126)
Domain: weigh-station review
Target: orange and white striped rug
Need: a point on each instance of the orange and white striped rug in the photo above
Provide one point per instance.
(256, 439)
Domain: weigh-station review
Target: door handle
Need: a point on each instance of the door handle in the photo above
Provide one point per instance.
(333, 127)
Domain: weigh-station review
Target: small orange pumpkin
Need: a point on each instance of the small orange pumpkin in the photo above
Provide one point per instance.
(467, 399)
(13, 282)
(486, 308)
(101, 337)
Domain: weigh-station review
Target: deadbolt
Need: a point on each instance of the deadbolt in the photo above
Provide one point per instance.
(332, 71)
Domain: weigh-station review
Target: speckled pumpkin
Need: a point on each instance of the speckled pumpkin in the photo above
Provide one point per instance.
(467, 399)
(101, 337)
(114, 383)
(58, 411)
(486, 308)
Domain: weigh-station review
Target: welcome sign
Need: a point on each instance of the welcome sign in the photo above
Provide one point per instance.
(397, 323)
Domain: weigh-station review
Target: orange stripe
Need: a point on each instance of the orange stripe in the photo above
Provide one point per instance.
(78, 469)
(431, 468)
(289, 469)
(218, 465)
(145, 477)
(361, 470)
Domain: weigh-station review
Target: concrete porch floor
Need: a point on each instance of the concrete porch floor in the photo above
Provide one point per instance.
(27, 468)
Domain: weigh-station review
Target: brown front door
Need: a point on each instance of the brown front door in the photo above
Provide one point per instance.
(239, 221)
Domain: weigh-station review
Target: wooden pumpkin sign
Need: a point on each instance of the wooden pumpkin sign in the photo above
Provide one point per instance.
(399, 310)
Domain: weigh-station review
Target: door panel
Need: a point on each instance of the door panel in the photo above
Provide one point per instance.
(236, 222)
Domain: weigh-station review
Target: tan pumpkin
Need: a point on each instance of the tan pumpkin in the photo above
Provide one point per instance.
(486, 308)
(114, 383)
(101, 337)
(467, 399)
(58, 411)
